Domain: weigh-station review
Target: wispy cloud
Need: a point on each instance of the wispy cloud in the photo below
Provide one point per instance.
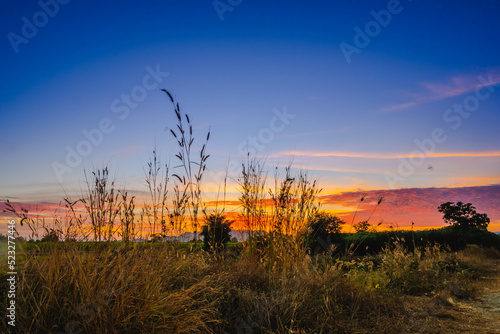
(366, 155)
(454, 86)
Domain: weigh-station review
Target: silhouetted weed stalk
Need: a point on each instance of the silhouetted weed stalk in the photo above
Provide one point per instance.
(127, 230)
(58, 226)
(156, 209)
(188, 188)
(102, 203)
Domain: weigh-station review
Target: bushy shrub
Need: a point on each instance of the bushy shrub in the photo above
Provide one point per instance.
(216, 234)
(51, 236)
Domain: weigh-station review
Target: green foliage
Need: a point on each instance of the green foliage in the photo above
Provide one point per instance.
(423, 271)
(216, 234)
(463, 216)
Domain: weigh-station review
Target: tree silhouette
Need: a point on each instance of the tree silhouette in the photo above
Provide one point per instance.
(323, 231)
(362, 226)
(463, 216)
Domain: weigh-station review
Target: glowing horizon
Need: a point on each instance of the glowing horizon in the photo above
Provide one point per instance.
(399, 209)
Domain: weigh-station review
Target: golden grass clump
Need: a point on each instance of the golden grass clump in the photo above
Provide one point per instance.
(124, 289)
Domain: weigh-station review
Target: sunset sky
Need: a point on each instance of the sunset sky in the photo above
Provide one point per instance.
(399, 99)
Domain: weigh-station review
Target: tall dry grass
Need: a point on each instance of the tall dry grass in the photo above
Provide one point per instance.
(149, 288)
(253, 196)
(144, 289)
(121, 290)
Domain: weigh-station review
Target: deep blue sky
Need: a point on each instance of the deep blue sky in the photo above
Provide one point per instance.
(360, 117)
